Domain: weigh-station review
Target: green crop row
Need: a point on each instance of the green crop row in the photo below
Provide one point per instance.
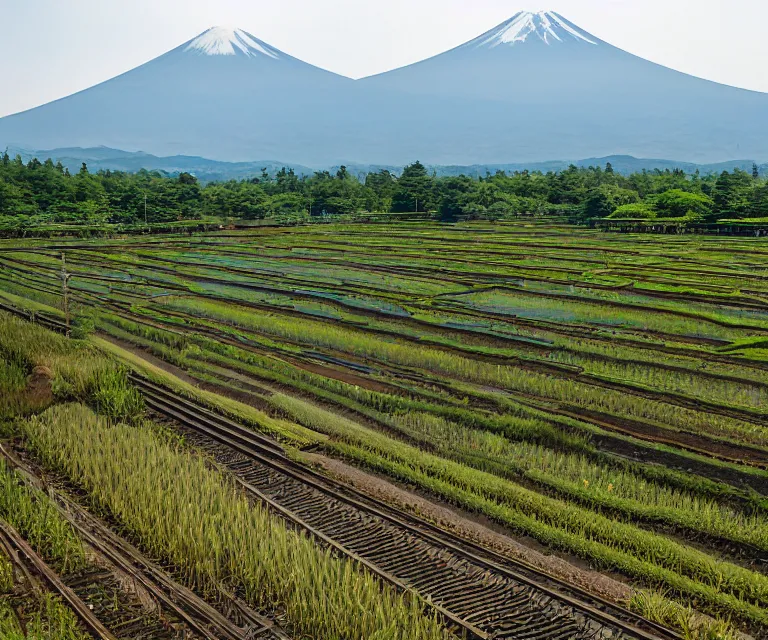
(512, 378)
(32, 514)
(77, 370)
(48, 619)
(578, 478)
(183, 511)
(503, 445)
(719, 586)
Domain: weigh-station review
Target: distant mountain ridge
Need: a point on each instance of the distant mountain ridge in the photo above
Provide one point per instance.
(105, 158)
(534, 87)
(206, 170)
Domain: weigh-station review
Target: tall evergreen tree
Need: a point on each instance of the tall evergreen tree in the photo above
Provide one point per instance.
(414, 190)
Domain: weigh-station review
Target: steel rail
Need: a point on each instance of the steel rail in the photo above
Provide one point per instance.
(11, 540)
(195, 612)
(267, 452)
(251, 444)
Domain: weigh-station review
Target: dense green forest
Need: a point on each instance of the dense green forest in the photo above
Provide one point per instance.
(43, 193)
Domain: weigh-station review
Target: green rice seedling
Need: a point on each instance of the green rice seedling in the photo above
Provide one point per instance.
(113, 396)
(54, 620)
(13, 380)
(6, 574)
(695, 382)
(658, 608)
(512, 378)
(12, 377)
(374, 403)
(655, 315)
(580, 478)
(10, 628)
(179, 509)
(49, 620)
(654, 606)
(31, 513)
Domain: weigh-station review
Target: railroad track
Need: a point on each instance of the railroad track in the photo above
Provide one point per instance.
(185, 614)
(44, 319)
(102, 592)
(479, 593)
(36, 571)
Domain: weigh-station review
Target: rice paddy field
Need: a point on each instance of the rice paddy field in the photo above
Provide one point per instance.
(599, 396)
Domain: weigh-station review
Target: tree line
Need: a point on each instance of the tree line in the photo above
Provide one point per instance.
(46, 192)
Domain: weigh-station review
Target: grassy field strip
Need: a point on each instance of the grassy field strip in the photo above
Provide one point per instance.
(503, 367)
(287, 432)
(580, 308)
(506, 377)
(30, 305)
(208, 529)
(36, 519)
(506, 501)
(741, 402)
(370, 404)
(754, 394)
(574, 477)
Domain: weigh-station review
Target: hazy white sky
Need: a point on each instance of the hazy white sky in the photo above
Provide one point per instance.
(51, 48)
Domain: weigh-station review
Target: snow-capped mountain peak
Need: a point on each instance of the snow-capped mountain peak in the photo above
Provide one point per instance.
(225, 41)
(546, 26)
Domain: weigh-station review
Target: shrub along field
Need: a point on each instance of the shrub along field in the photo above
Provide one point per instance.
(603, 394)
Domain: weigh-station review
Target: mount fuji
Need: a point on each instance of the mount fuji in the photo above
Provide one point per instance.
(553, 90)
(536, 87)
(224, 94)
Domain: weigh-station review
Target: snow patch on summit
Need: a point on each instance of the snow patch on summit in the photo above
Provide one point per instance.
(224, 41)
(548, 26)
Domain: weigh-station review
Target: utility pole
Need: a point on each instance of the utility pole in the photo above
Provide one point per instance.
(145, 209)
(310, 203)
(416, 210)
(65, 288)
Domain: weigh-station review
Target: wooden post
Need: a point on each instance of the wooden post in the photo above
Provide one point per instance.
(65, 288)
